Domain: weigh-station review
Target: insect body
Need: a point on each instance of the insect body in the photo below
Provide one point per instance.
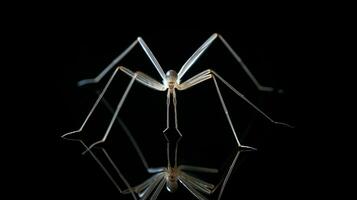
(172, 81)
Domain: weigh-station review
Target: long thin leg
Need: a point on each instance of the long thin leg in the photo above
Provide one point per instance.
(245, 68)
(109, 67)
(190, 188)
(168, 100)
(174, 99)
(198, 184)
(195, 56)
(144, 195)
(140, 189)
(140, 77)
(120, 104)
(107, 172)
(176, 149)
(94, 106)
(226, 111)
(144, 79)
(167, 111)
(167, 128)
(198, 169)
(240, 150)
(200, 77)
(236, 137)
(207, 74)
(158, 189)
(154, 170)
(246, 100)
(135, 76)
(131, 138)
(240, 147)
(137, 189)
(228, 175)
(205, 46)
(152, 58)
(120, 57)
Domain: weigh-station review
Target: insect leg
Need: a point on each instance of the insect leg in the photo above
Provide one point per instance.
(109, 67)
(120, 104)
(243, 97)
(133, 141)
(191, 188)
(195, 56)
(174, 99)
(94, 106)
(204, 47)
(130, 190)
(120, 57)
(245, 68)
(144, 79)
(240, 147)
(207, 74)
(198, 169)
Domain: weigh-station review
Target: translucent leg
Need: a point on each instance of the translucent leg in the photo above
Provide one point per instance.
(167, 111)
(146, 193)
(208, 186)
(245, 99)
(145, 79)
(115, 114)
(168, 100)
(154, 170)
(174, 99)
(207, 74)
(128, 134)
(195, 185)
(228, 175)
(198, 169)
(151, 170)
(158, 189)
(120, 57)
(200, 77)
(167, 128)
(141, 189)
(152, 58)
(94, 106)
(236, 137)
(144, 189)
(108, 174)
(141, 77)
(245, 68)
(196, 55)
(109, 67)
(205, 46)
(191, 188)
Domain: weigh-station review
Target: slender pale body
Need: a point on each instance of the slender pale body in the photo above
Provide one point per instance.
(171, 81)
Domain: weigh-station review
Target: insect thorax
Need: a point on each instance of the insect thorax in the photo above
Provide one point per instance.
(171, 179)
(171, 79)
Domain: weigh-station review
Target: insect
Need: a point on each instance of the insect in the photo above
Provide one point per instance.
(171, 83)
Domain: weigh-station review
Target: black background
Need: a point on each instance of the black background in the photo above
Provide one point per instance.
(59, 52)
